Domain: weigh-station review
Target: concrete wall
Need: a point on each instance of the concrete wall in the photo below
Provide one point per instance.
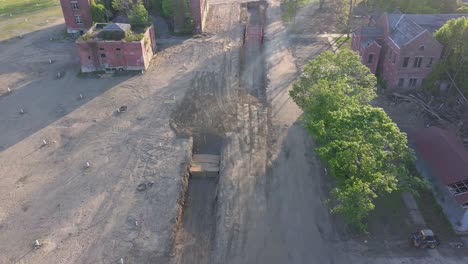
(199, 9)
(134, 55)
(454, 211)
(84, 11)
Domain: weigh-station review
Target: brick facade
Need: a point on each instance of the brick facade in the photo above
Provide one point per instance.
(77, 14)
(98, 54)
(408, 49)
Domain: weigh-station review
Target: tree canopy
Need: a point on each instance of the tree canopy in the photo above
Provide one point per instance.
(454, 36)
(138, 14)
(364, 149)
(98, 12)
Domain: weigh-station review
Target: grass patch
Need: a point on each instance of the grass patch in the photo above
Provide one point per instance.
(14, 8)
(21, 25)
(342, 42)
(434, 216)
(391, 217)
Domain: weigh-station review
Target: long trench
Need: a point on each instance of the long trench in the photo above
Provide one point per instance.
(197, 231)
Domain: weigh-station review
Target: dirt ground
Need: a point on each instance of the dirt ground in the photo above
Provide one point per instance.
(268, 204)
(93, 214)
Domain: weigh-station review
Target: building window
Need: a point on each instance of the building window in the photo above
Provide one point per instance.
(78, 19)
(394, 58)
(412, 82)
(74, 5)
(370, 58)
(89, 57)
(431, 60)
(465, 205)
(421, 47)
(103, 55)
(417, 62)
(101, 48)
(117, 48)
(401, 82)
(405, 62)
(459, 187)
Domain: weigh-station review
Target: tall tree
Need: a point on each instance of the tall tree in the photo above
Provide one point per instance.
(122, 5)
(454, 36)
(138, 14)
(364, 149)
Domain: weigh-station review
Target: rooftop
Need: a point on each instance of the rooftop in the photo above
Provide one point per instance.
(114, 32)
(404, 27)
(444, 153)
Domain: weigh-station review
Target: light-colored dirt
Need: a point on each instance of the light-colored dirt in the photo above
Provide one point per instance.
(95, 214)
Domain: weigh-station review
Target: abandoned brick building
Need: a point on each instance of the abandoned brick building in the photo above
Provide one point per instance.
(77, 15)
(401, 48)
(116, 46)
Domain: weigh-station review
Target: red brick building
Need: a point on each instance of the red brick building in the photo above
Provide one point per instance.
(116, 46)
(77, 14)
(400, 48)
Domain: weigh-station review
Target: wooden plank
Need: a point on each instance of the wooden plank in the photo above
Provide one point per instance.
(205, 158)
(204, 167)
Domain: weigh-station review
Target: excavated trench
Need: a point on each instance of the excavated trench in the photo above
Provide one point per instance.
(200, 117)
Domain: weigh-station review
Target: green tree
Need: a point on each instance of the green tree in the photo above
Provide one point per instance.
(454, 36)
(343, 72)
(363, 147)
(138, 14)
(167, 8)
(122, 5)
(98, 12)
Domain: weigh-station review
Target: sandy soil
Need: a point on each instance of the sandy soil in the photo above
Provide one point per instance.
(268, 206)
(95, 214)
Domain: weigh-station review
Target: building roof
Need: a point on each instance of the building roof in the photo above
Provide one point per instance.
(371, 31)
(444, 153)
(117, 27)
(367, 42)
(405, 27)
(432, 22)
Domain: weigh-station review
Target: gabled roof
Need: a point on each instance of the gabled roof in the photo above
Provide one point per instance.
(443, 152)
(432, 22)
(368, 42)
(403, 29)
(371, 31)
(117, 27)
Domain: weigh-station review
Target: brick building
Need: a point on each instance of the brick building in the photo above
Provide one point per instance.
(77, 14)
(197, 10)
(400, 48)
(116, 46)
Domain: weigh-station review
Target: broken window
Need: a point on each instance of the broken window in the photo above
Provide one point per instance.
(103, 55)
(74, 5)
(401, 82)
(421, 47)
(412, 82)
(405, 62)
(370, 58)
(459, 187)
(117, 48)
(394, 58)
(431, 60)
(78, 19)
(417, 62)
